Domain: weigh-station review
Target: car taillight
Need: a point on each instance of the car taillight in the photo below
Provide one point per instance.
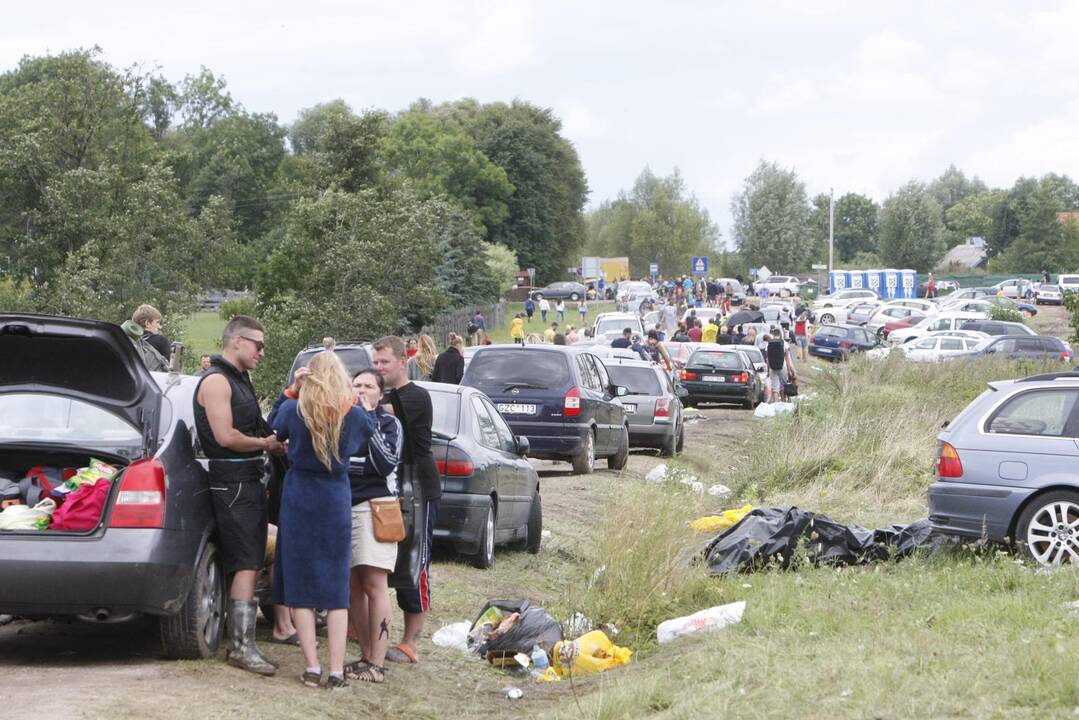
(740, 378)
(687, 375)
(141, 500)
(571, 404)
(948, 463)
(846, 344)
(457, 463)
(1065, 355)
(663, 407)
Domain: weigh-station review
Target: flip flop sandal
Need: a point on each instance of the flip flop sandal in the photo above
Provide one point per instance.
(293, 639)
(402, 654)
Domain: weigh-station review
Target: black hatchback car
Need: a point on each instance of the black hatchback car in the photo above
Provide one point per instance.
(1038, 347)
(839, 342)
(563, 401)
(561, 291)
(490, 492)
(715, 375)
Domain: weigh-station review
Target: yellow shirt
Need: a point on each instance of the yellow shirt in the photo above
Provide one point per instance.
(549, 334)
(710, 332)
(517, 329)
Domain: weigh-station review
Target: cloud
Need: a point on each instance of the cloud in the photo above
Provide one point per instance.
(497, 39)
(888, 49)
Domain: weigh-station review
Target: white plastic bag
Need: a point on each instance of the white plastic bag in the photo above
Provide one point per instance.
(657, 474)
(715, 618)
(24, 517)
(454, 635)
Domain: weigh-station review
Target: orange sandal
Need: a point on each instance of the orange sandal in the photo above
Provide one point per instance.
(402, 653)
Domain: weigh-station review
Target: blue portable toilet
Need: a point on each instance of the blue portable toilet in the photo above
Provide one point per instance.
(838, 280)
(889, 283)
(909, 283)
(872, 281)
(856, 279)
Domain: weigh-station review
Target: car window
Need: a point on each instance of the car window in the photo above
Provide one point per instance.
(500, 368)
(506, 440)
(1006, 345)
(602, 373)
(1029, 344)
(486, 433)
(50, 418)
(831, 331)
(1039, 412)
(951, 344)
(638, 380)
(969, 344)
(943, 324)
(588, 373)
(718, 360)
(445, 408)
(926, 344)
(1015, 330)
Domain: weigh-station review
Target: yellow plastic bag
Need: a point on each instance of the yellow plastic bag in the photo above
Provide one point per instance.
(592, 653)
(715, 523)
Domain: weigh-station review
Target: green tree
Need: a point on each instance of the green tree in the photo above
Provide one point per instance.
(973, 216)
(911, 229)
(855, 228)
(657, 221)
(771, 219)
(501, 265)
(1041, 243)
(342, 149)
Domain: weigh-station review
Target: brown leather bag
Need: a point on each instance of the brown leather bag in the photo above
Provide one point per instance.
(387, 521)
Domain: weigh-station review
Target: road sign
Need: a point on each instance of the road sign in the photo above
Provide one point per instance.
(819, 266)
(763, 272)
(700, 264)
(653, 268)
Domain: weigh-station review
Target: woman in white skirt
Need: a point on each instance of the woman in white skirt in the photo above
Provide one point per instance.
(372, 477)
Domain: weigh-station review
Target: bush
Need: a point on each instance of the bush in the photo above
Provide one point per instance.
(237, 306)
(1071, 301)
(1005, 313)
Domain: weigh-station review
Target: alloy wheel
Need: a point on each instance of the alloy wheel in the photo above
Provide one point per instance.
(1053, 533)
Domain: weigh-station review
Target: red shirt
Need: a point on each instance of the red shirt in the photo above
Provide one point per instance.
(800, 328)
(694, 334)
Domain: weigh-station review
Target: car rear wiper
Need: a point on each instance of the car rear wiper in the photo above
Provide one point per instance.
(527, 385)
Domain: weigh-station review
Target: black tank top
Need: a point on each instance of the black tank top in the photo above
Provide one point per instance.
(246, 413)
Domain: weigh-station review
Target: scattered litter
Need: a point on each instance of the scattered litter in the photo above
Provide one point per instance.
(513, 693)
(591, 653)
(597, 575)
(657, 474)
(504, 628)
(578, 624)
(746, 586)
(697, 487)
(692, 420)
(726, 519)
(773, 535)
(715, 618)
(1073, 606)
(719, 490)
(846, 693)
(771, 410)
(880, 353)
(545, 533)
(611, 629)
(453, 636)
(523, 660)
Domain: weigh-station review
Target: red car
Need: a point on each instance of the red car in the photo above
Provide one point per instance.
(909, 321)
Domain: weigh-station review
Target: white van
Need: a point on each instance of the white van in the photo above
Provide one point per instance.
(1068, 283)
(936, 323)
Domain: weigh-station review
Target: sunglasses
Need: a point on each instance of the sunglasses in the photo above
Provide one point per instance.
(259, 344)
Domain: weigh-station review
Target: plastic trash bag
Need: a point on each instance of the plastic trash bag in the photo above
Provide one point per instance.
(591, 653)
(715, 618)
(453, 636)
(24, 517)
(657, 474)
(726, 519)
(764, 410)
(718, 490)
(532, 626)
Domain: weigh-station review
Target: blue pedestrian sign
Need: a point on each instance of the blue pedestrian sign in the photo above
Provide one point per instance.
(700, 264)
(653, 269)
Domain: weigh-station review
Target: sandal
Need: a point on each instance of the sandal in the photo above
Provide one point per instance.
(402, 654)
(371, 674)
(293, 639)
(354, 668)
(311, 679)
(336, 683)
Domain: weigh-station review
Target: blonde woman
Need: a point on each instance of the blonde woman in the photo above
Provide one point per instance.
(422, 364)
(314, 536)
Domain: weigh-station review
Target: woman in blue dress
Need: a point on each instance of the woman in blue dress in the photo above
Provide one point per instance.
(314, 538)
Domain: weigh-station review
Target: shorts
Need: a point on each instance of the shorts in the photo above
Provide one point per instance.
(776, 378)
(238, 498)
(802, 341)
(366, 550)
(418, 599)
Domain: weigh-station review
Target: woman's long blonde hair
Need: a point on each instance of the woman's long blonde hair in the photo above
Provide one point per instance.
(325, 398)
(425, 356)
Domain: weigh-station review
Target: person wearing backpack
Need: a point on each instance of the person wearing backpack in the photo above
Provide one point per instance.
(148, 318)
(150, 356)
(780, 365)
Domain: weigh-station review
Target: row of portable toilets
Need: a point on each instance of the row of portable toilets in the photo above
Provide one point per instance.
(886, 283)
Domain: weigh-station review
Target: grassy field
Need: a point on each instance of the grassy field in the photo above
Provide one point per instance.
(203, 333)
(501, 334)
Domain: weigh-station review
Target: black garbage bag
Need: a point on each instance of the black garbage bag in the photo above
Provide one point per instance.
(535, 626)
(773, 535)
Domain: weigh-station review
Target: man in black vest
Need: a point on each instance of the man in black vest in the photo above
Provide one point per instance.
(234, 436)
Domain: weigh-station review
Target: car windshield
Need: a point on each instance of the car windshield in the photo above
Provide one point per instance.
(50, 418)
(1051, 288)
(984, 343)
(446, 408)
(754, 354)
(506, 368)
(354, 359)
(638, 380)
(719, 360)
(617, 325)
(831, 331)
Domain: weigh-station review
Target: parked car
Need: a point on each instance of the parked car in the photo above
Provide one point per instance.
(71, 389)
(1015, 288)
(1068, 283)
(845, 298)
(704, 314)
(562, 400)
(889, 313)
(653, 405)
(974, 293)
(609, 326)
(718, 374)
(356, 356)
(934, 348)
(986, 306)
(929, 325)
(771, 311)
(561, 291)
(1049, 295)
(860, 312)
(490, 492)
(739, 295)
(839, 342)
(1037, 347)
(779, 285)
(997, 327)
(1006, 468)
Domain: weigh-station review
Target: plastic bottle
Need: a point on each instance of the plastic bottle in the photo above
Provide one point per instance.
(540, 661)
(711, 619)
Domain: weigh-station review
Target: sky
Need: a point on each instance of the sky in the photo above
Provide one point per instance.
(855, 96)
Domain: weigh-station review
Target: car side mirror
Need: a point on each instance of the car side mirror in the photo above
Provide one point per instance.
(176, 359)
(680, 391)
(522, 445)
(620, 390)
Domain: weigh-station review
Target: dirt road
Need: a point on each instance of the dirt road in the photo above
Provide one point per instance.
(75, 670)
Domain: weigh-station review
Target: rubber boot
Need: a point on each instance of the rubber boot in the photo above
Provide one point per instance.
(242, 652)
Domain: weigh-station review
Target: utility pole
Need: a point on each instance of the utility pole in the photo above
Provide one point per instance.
(831, 231)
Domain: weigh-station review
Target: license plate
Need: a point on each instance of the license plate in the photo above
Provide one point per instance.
(714, 378)
(516, 409)
(630, 407)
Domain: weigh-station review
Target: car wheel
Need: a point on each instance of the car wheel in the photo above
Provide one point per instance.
(195, 631)
(585, 461)
(880, 333)
(827, 319)
(620, 458)
(670, 444)
(748, 403)
(574, 297)
(1047, 530)
(537, 296)
(535, 526)
(681, 439)
(485, 557)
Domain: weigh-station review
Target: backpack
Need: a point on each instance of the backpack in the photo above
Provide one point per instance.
(154, 361)
(472, 327)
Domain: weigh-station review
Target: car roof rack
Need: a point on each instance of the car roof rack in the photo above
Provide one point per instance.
(1045, 377)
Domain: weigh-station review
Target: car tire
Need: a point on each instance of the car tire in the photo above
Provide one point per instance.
(678, 446)
(196, 631)
(670, 444)
(574, 297)
(537, 296)
(619, 459)
(1053, 510)
(584, 462)
(748, 403)
(827, 319)
(485, 555)
(535, 526)
(880, 334)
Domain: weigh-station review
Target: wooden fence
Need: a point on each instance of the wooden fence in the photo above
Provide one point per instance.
(457, 321)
